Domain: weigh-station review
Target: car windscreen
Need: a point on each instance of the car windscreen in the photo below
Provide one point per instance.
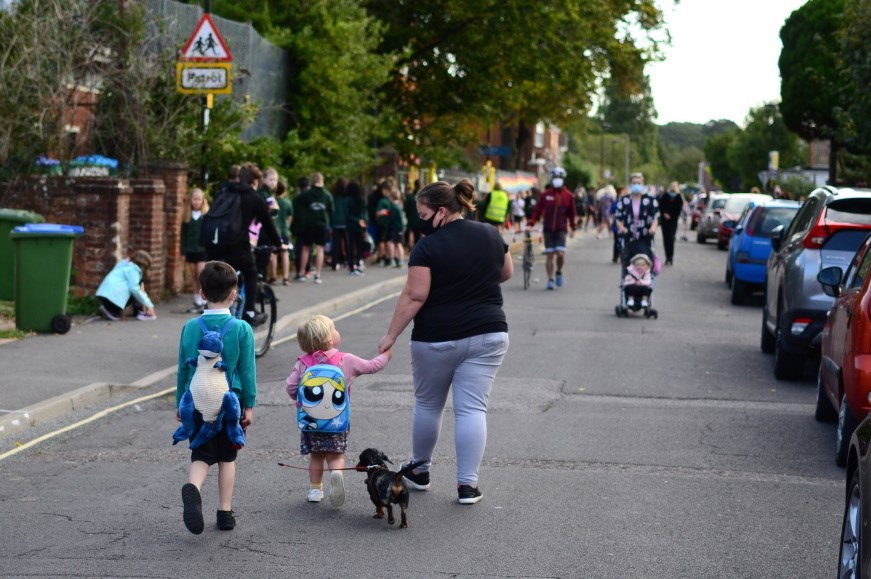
(767, 218)
(718, 203)
(736, 205)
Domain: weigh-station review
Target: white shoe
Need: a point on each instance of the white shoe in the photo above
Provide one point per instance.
(630, 302)
(644, 303)
(315, 495)
(199, 301)
(337, 488)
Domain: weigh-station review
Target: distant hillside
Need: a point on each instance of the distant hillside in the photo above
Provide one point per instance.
(681, 136)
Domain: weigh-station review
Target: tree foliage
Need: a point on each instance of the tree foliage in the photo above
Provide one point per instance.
(810, 69)
(766, 131)
(856, 119)
(465, 64)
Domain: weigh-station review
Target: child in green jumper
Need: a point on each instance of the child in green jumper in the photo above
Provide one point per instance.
(218, 285)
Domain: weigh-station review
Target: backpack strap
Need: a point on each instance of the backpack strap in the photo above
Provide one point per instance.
(228, 325)
(313, 358)
(203, 325)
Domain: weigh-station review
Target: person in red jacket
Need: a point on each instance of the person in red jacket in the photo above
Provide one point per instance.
(556, 210)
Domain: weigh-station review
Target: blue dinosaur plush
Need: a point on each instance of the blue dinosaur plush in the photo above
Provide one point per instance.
(208, 406)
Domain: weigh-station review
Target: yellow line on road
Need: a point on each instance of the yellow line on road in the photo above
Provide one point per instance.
(108, 411)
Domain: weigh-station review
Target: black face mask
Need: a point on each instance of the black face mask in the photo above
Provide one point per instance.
(426, 225)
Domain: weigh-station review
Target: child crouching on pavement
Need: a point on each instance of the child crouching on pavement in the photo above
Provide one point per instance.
(319, 339)
(218, 284)
(124, 286)
(638, 281)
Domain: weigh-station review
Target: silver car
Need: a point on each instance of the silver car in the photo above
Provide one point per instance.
(709, 222)
(827, 230)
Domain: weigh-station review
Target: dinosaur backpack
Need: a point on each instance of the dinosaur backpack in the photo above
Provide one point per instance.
(322, 401)
(210, 380)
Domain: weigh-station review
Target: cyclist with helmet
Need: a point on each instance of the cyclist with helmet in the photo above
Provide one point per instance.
(557, 212)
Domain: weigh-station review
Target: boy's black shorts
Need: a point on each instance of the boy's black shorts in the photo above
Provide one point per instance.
(218, 449)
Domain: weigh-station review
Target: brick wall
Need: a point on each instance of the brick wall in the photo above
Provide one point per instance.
(118, 215)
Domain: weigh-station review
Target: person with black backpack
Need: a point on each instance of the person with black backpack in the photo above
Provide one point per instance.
(225, 231)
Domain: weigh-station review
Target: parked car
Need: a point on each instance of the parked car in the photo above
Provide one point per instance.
(827, 230)
(732, 211)
(710, 218)
(844, 376)
(854, 560)
(750, 246)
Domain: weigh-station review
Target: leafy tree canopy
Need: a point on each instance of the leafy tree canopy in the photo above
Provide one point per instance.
(810, 69)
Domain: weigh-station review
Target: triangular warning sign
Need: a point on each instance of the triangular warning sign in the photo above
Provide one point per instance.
(206, 43)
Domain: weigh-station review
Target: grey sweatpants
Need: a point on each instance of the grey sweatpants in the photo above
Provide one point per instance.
(470, 366)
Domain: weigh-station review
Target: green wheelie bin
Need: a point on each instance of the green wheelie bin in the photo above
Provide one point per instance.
(10, 218)
(43, 259)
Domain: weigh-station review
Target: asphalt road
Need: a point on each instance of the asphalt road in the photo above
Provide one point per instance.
(617, 448)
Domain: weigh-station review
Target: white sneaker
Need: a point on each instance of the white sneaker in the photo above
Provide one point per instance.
(337, 488)
(199, 301)
(315, 495)
(644, 302)
(143, 317)
(630, 302)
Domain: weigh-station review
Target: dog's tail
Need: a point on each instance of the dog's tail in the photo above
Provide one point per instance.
(407, 469)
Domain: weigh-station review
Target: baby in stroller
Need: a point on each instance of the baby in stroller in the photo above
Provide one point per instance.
(638, 282)
(637, 279)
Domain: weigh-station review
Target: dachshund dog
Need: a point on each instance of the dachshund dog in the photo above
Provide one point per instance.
(385, 486)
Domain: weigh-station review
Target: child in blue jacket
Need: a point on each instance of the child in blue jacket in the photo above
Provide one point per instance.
(123, 287)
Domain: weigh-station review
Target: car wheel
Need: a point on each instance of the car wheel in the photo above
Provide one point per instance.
(766, 343)
(846, 426)
(722, 246)
(851, 535)
(700, 238)
(787, 366)
(739, 292)
(728, 277)
(824, 411)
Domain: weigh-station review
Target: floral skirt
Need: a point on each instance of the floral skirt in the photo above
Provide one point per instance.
(310, 442)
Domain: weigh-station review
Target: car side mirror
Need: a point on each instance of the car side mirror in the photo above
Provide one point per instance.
(777, 237)
(739, 229)
(830, 279)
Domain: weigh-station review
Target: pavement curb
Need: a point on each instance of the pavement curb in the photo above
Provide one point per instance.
(36, 414)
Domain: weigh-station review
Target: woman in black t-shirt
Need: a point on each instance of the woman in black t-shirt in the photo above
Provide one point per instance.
(460, 334)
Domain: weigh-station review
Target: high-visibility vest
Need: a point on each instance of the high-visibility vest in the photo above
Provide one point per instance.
(497, 208)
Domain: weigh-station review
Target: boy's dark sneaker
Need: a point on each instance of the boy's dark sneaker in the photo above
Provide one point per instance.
(226, 520)
(469, 495)
(193, 508)
(419, 481)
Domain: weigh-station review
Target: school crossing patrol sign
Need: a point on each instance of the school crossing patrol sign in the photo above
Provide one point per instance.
(205, 62)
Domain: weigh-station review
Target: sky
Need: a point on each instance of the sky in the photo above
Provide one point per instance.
(722, 60)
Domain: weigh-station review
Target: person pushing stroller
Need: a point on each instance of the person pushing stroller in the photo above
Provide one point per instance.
(636, 219)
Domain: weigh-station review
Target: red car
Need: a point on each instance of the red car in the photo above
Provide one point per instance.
(844, 378)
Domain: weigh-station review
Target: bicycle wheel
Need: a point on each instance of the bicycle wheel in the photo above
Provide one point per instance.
(266, 304)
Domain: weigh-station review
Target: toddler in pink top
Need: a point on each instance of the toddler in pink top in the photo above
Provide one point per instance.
(638, 283)
(319, 339)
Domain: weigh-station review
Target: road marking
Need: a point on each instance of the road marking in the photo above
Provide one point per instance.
(156, 377)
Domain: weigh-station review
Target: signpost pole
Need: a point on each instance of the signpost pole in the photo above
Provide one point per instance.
(204, 171)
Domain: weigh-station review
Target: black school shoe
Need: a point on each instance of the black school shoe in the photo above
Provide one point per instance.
(469, 495)
(193, 508)
(226, 520)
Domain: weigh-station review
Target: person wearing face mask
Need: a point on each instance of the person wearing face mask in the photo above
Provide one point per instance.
(670, 208)
(637, 218)
(557, 212)
(460, 333)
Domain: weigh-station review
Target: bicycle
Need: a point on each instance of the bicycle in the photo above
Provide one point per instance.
(264, 303)
(528, 258)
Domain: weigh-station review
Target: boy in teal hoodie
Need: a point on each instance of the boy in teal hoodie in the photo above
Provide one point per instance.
(219, 288)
